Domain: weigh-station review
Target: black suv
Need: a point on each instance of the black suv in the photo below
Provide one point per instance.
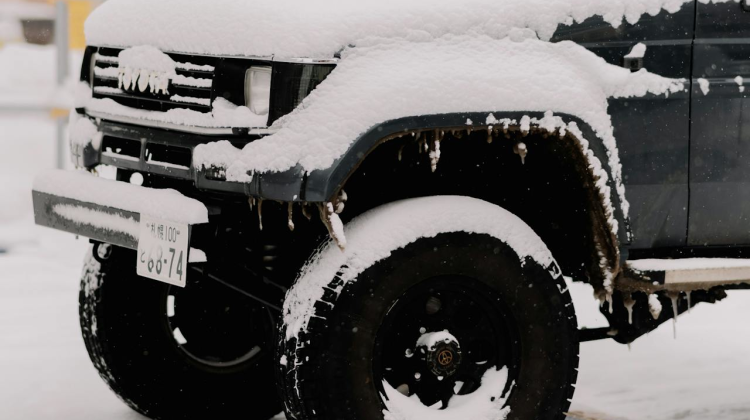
(265, 301)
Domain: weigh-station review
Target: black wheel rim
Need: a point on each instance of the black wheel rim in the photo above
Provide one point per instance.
(216, 327)
(474, 314)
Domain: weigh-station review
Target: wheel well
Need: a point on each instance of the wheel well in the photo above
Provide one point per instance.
(553, 191)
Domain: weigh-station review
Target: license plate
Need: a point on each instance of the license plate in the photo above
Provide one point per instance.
(163, 250)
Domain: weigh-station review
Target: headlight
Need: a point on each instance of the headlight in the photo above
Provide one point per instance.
(258, 89)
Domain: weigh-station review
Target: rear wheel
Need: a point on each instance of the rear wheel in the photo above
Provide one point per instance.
(452, 323)
(170, 353)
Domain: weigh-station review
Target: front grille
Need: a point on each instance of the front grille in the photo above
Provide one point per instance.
(167, 155)
(191, 89)
(121, 148)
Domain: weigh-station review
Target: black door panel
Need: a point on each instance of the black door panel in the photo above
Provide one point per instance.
(652, 132)
(720, 140)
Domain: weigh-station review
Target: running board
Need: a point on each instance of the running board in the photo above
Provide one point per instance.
(683, 274)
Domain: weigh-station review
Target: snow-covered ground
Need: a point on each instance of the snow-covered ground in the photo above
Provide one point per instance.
(45, 372)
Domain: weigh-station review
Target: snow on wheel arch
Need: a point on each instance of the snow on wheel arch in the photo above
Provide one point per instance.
(374, 235)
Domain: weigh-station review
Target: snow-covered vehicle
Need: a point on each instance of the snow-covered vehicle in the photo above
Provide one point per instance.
(365, 210)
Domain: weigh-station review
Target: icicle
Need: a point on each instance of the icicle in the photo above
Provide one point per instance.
(401, 153)
(251, 202)
(260, 213)
(127, 77)
(521, 150)
(144, 80)
(689, 296)
(153, 82)
(629, 303)
(290, 221)
(341, 202)
(630, 348)
(654, 306)
(119, 79)
(489, 135)
(164, 84)
(306, 212)
(673, 296)
(608, 298)
(435, 153)
(134, 83)
(333, 224)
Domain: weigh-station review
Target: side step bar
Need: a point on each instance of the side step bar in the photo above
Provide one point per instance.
(684, 274)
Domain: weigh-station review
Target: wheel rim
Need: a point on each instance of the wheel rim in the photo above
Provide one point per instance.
(441, 337)
(216, 327)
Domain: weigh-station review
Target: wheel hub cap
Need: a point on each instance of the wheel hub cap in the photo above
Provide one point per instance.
(444, 359)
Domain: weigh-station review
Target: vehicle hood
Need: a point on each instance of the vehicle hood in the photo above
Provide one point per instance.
(322, 28)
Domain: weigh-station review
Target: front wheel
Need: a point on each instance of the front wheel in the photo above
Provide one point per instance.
(454, 323)
(170, 353)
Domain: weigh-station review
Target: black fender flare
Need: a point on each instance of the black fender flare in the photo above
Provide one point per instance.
(319, 186)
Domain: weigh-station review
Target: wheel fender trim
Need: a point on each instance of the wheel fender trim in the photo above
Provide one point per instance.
(323, 185)
(611, 240)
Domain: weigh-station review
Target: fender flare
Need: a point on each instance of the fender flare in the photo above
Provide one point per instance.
(321, 186)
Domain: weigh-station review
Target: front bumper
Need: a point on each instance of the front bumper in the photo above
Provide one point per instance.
(104, 210)
(168, 153)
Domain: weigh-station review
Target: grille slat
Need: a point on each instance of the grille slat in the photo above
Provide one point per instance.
(191, 89)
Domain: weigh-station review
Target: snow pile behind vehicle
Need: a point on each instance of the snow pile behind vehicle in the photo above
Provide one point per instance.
(319, 29)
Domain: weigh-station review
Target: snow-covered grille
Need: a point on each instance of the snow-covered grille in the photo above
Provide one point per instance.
(191, 88)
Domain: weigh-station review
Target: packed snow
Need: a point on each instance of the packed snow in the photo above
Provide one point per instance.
(100, 219)
(148, 58)
(82, 132)
(432, 339)
(705, 85)
(320, 29)
(486, 403)
(638, 51)
(85, 187)
(740, 82)
(374, 235)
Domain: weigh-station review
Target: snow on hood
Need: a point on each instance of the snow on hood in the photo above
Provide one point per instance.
(321, 28)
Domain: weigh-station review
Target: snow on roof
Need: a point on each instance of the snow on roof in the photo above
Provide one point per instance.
(321, 28)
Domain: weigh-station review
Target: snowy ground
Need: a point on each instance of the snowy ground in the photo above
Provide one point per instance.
(45, 372)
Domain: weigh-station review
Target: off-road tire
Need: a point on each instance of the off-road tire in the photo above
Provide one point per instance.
(326, 373)
(121, 318)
